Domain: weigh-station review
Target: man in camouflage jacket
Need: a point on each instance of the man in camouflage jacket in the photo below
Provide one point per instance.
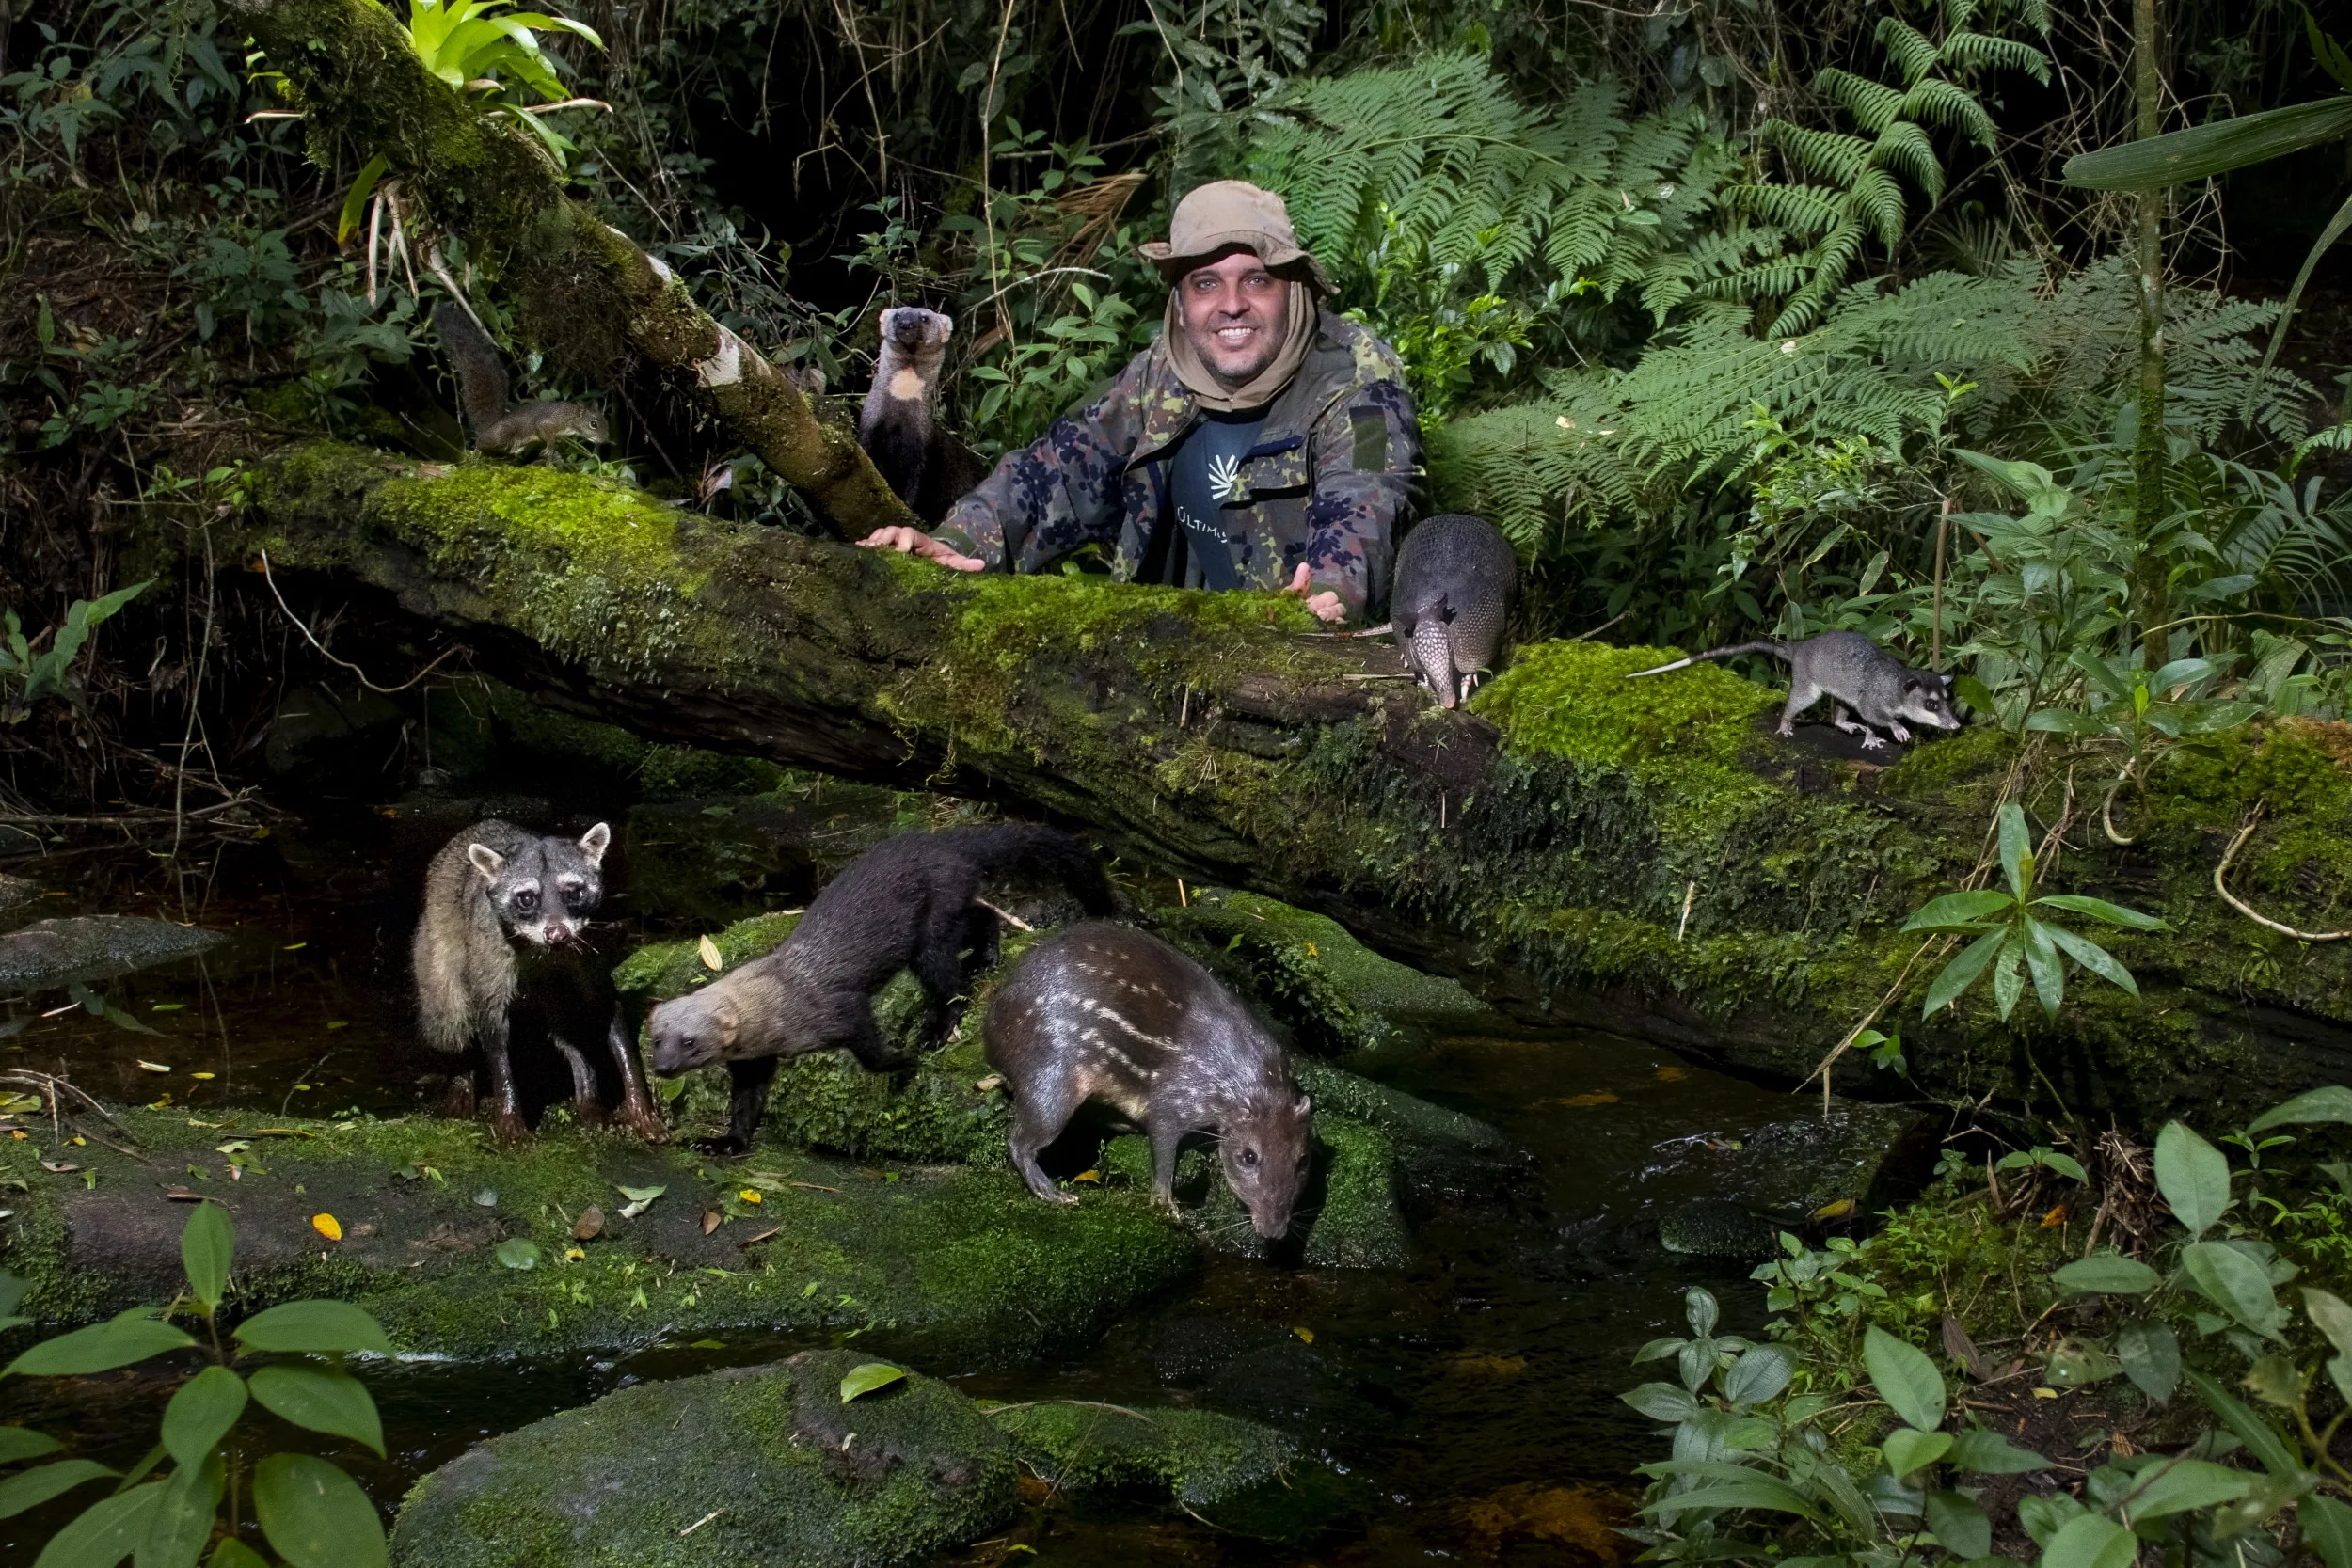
(1321, 449)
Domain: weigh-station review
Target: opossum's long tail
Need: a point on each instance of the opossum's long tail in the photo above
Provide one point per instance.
(1046, 851)
(1778, 650)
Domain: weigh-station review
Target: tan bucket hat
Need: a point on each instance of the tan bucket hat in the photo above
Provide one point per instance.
(1224, 214)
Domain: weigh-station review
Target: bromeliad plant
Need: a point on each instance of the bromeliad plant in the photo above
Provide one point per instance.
(2015, 935)
(311, 1512)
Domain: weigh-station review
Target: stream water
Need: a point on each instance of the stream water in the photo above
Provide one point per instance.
(1471, 1397)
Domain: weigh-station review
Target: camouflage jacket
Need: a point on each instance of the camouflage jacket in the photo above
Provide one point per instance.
(1328, 482)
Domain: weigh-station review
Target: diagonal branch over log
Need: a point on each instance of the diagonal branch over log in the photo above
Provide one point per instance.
(587, 291)
(1642, 856)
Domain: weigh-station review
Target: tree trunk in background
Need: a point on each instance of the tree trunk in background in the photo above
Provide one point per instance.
(1542, 849)
(585, 291)
(2148, 457)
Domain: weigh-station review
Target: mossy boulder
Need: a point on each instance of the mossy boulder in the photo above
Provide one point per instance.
(753, 1467)
(1347, 1218)
(1336, 996)
(1199, 1458)
(959, 1262)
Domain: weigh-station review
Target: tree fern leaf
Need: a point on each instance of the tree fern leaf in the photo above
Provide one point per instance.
(1830, 153)
(1879, 201)
(1872, 105)
(1904, 146)
(1912, 54)
(1986, 52)
(1947, 103)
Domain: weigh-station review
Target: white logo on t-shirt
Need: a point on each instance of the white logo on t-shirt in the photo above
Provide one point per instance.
(1225, 478)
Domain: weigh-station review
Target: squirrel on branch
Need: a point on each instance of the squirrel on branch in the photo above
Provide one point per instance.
(499, 427)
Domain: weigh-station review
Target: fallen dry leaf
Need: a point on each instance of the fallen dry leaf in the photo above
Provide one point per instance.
(146, 1066)
(185, 1194)
(993, 1081)
(60, 1166)
(748, 1195)
(710, 951)
(1597, 1096)
(327, 1225)
(711, 1220)
(590, 1225)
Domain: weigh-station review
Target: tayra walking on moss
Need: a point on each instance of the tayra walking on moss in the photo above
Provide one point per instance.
(482, 388)
(910, 903)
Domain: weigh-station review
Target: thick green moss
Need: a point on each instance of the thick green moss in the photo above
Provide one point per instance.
(1347, 1218)
(757, 1467)
(962, 1261)
(1199, 1457)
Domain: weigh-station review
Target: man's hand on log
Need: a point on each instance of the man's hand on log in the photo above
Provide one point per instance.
(1326, 606)
(914, 541)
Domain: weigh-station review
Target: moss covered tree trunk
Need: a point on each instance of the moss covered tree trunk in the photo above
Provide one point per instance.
(585, 291)
(1644, 857)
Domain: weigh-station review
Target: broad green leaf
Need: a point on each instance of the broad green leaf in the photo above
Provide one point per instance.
(2152, 1359)
(315, 1515)
(1986, 1453)
(2332, 1103)
(2007, 982)
(355, 199)
(2236, 1284)
(1908, 1450)
(1906, 1379)
(320, 1328)
(2264, 1441)
(2043, 1517)
(18, 1443)
(201, 1413)
(518, 1252)
(2177, 1486)
(2326, 1524)
(2108, 1274)
(1701, 1311)
(1958, 975)
(206, 1244)
(2331, 1315)
(2091, 957)
(1958, 910)
(1662, 1402)
(2193, 1176)
(182, 1520)
(235, 1554)
(31, 1488)
(2200, 151)
(2091, 1541)
(867, 1376)
(1760, 1490)
(1759, 1374)
(334, 1402)
(100, 1348)
(2099, 908)
(2041, 960)
(108, 1531)
(2016, 850)
(1960, 1527)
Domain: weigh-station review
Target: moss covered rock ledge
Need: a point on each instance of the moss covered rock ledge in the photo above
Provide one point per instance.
(1543, 847)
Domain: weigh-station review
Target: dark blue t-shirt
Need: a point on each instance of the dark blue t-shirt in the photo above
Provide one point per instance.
(1202, 476)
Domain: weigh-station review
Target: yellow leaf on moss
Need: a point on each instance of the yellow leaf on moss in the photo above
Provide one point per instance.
(748, 1195)
(327, 1225)
(710, 951)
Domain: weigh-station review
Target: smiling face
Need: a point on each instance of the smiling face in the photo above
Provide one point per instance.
(1235, 314)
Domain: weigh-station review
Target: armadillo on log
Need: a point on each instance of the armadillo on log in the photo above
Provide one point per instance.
(1455, 578)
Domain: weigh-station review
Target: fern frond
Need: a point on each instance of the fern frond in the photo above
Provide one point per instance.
(1872, 105)
(1946, 102)
(1800, 209)
(1829, 154)
(1904, 146)
(1879, 201)
(1912, 54)
(1985, 52)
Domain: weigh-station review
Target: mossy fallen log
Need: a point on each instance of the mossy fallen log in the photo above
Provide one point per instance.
(1644, 857)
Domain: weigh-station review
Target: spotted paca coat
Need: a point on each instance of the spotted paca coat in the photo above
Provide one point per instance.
(1114, 1015)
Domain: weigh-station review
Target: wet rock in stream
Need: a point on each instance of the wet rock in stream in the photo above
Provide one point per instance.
(753, 1467)
(1824, 1169)
(51, 952)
